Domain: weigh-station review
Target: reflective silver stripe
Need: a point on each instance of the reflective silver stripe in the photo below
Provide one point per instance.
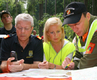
(78, 66)
(65, 42)
(83, 47)
(70, 56)
(75, 58)
(84, 52)
(44, 57)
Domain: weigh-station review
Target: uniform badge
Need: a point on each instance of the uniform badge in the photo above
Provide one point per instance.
(90, 48)
(38, 37)
(7, 36)
(30, 54)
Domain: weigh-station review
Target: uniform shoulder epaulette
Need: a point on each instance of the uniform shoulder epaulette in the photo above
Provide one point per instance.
(7, 36)
(38, 37)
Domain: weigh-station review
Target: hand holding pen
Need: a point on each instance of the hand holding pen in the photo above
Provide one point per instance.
(68, 64)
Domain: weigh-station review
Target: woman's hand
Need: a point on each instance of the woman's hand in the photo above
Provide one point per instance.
(44, 65)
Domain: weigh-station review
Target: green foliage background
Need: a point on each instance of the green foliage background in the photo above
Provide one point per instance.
(41, 10)
(68, 30)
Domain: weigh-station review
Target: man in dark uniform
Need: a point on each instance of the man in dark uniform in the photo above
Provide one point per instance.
(8, 28)
(7, 19)
(27, 47)
(85, 26)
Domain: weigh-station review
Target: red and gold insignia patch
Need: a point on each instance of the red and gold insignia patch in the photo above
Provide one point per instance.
(38, 37)
(7, 36)
(90, 48)
(68, 12)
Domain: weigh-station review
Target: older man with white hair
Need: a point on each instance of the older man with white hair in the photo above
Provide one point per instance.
(29, 48)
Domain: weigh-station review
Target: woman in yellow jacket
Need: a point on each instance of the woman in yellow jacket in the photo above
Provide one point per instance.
(56, 48)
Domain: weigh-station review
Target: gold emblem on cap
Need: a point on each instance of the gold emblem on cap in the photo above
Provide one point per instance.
(68, 12)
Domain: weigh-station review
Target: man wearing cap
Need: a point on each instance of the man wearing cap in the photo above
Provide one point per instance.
(8, 28)
(85, 27)
(6, 19)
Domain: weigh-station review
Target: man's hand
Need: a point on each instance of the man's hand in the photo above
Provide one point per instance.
(8, 66)
(15, 66)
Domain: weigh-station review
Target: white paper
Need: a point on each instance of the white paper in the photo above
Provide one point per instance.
(82, 74)
(39, 73)
(85, 74)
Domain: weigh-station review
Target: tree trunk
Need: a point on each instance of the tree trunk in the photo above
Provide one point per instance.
(64, 4)
(40, 17)
(7, 5)
(95, 7)
(16, 2)
(86, 3)
(45, 5)
(55, 7)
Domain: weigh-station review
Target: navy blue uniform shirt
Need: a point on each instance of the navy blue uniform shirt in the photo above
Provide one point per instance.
(4, 31)
(32, 52)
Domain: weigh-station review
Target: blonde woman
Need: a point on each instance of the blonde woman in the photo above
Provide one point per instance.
(56, 48)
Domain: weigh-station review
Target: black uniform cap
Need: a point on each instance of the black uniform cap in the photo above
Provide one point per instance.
(73, 12)
(4, 12)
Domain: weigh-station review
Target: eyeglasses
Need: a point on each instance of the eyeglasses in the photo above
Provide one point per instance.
(20, 28)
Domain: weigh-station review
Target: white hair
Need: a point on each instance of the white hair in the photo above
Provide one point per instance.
(25, 17)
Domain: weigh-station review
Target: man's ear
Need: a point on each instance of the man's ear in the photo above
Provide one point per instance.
(32, 28)
(88, 16)
(11, 18)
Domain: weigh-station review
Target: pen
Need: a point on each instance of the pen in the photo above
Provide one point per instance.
(68, 65)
